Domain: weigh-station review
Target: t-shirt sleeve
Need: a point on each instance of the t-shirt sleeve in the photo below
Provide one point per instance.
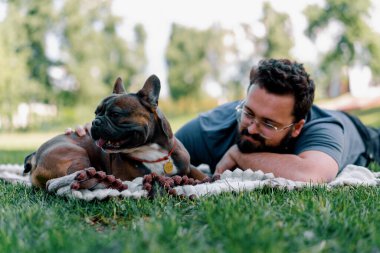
(325, 137)
(209, 136)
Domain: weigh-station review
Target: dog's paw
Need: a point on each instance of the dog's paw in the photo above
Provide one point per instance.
(91, 179)
(55, 184)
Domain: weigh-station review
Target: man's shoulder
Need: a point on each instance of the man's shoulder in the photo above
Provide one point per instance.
(320, 115)
(221, 117)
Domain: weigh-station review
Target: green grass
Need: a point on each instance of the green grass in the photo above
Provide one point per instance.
(344, 219)
(266, 220)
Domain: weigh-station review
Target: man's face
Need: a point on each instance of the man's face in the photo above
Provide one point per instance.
(266, 123)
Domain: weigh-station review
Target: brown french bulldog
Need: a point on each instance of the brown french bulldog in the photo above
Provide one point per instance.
(130, 137)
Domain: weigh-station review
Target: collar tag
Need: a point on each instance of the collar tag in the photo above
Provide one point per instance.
(168, 167)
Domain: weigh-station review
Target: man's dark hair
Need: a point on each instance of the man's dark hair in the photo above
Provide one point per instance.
(283, 77)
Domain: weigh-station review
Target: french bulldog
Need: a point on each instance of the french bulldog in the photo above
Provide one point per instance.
(130, 137)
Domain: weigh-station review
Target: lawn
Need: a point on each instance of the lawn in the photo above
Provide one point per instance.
(344, 219)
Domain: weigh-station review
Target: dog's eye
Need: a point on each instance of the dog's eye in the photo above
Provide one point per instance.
(114, 114)
(99, 109)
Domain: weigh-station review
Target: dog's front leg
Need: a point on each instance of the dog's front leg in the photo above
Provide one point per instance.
(91, 179)
(197, 174)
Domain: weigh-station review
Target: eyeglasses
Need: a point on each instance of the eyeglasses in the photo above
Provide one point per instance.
(266, 130)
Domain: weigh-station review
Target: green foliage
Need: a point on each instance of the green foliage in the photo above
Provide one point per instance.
(27, 23)
(92, 55)
(186, 106)
(355, 42)
(16, 84)
(36, 22)
(278, 40)
(95, 54)
(188, 60)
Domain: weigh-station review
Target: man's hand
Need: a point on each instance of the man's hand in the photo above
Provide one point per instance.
(80, 130)
(228, 161)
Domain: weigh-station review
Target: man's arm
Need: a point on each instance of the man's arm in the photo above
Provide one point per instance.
(309, 166)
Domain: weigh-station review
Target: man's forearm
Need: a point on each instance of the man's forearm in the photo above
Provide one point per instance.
(288, 166)
(279, 164)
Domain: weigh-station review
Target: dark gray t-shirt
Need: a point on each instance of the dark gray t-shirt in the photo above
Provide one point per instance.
(211, 134)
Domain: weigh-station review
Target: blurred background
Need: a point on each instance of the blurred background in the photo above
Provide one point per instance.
(59, 58)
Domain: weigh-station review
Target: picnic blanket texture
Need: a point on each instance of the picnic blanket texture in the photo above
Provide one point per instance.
(230, 181)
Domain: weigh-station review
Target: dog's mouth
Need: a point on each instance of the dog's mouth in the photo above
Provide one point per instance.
(109, 145)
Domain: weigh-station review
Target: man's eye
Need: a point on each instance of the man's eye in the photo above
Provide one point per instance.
(248, 115)
(269, 124)
(97, 110)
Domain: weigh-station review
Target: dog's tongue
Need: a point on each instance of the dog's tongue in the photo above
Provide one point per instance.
(100, 142)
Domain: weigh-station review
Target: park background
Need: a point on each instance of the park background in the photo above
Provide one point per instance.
(59, 58)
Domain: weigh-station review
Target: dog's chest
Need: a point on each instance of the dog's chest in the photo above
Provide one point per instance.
(152, 157)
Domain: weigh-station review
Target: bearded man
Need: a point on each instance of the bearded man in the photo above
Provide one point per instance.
(277, 129)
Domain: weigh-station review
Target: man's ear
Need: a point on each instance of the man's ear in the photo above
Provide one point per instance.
(297, 128)
(150, 92)
(118, 87)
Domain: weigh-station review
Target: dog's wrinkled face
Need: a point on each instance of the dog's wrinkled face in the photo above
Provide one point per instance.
(126, 121)
(121, 122)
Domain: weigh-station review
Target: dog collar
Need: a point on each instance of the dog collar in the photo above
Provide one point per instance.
(160, 159)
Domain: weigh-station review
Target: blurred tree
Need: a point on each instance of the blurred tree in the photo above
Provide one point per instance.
(278, 40)
(89, 53)
(93, 52)
(138, 58)
(190, 55)
(240, 54)
(356, 42)
(245, 48)
(17, 82)
(34, 20)
(37, 21)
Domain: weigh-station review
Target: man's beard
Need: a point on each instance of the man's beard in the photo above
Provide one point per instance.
(246, 146)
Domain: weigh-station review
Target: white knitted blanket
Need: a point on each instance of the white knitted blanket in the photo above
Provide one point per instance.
(230, 181)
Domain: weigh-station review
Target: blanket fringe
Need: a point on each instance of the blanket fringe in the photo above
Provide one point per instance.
(13, 173)
(230, 181)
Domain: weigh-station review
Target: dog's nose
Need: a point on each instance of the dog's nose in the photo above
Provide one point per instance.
(96, 122)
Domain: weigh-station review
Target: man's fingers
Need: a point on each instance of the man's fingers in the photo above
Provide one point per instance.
(219, 169)
(68, 131)
(87, 127)
(80, 131)
(218, 172)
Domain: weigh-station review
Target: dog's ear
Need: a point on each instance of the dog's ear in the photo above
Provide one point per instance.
(164, 124)
(149, 95)
(150, 92)
(118, 87)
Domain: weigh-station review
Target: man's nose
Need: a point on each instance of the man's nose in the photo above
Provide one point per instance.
(253, 128)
